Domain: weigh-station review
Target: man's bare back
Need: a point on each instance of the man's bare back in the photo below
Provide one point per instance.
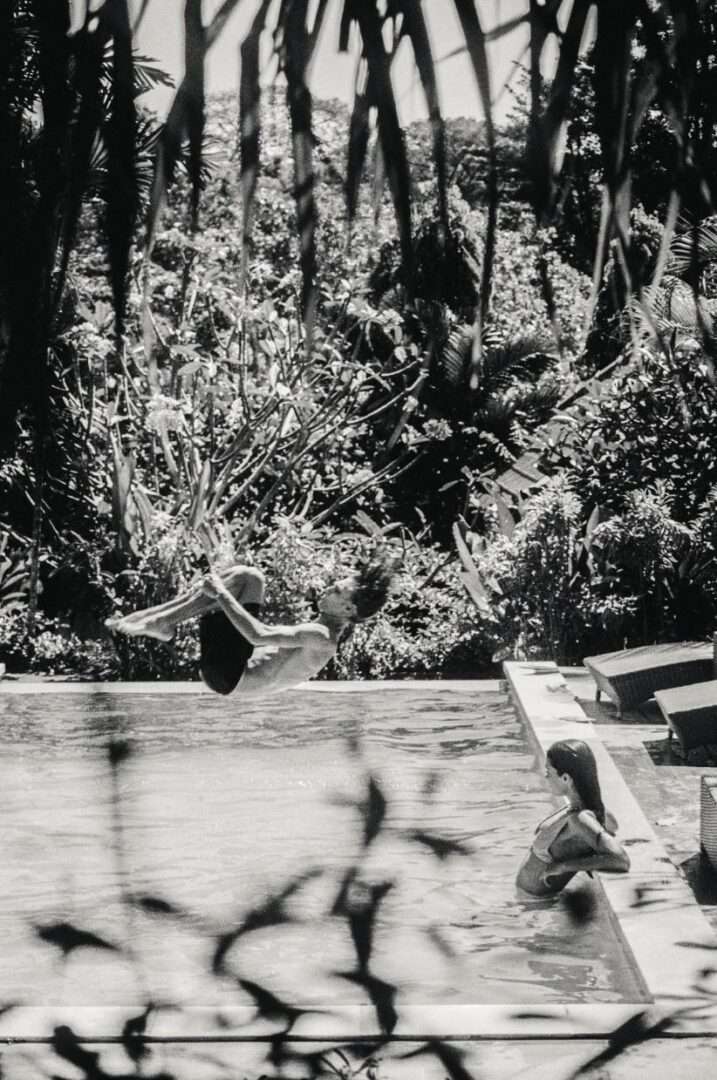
(271, 669)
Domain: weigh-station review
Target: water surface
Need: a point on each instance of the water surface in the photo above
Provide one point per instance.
(222, 803)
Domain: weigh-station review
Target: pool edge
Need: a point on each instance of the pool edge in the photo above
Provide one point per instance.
(330, 686)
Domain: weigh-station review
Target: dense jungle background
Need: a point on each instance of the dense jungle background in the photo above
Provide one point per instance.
(173, 394)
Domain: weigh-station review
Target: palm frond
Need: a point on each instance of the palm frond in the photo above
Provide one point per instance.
(455, 357)
(536, 404)
(365, 14)
(524, 359)
(674, 306)
(148, 76)
(148, 134)
(693, 248)
(498, 418)
(296, 55)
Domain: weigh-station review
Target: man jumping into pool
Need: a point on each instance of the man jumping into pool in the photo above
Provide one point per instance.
(229, 628)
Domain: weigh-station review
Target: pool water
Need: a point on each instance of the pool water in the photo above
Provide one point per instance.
(222, 802)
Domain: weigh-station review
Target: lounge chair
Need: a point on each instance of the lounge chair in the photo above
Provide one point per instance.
(631, 676)
(691, 713)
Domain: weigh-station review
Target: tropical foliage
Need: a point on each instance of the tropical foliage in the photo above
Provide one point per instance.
(246, 360)
(212, 423)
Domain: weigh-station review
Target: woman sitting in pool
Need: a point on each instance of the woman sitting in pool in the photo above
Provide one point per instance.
(578, 836)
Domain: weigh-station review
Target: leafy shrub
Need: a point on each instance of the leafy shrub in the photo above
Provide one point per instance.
(51, 649)
(565, 584)
(656, 420)
(531, 576)
(639, 553)
(428, 627)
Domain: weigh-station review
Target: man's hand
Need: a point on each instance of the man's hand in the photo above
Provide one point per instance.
(212, 586)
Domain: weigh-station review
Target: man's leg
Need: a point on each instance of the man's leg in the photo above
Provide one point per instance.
(246, 583)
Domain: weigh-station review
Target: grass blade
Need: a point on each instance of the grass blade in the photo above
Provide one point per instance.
(89, 51)
(377, 183)
(501, 30)
(414, 26)
(219, 20)
(557, 110)
(358, 141)
(194, 51)
(250, 129)
(613, 39)
(176, 126)
(122, 196)
(296, 58)
(140, 16)
(600, 256)
(475, 41)
(390, 132)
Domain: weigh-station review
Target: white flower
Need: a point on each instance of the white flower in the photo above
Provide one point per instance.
(163, 413)
(362, 476)
(440, 430)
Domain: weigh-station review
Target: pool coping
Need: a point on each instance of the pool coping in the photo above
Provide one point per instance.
(331, 686)
(651, 933)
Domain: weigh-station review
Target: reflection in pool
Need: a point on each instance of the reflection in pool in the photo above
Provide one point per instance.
(223, 802)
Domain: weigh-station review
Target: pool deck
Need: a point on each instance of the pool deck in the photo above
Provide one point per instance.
(668, 933)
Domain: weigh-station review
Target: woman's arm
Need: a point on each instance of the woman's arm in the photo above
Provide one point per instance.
(608, 854)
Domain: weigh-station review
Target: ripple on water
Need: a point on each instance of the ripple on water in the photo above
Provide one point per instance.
(225, 800)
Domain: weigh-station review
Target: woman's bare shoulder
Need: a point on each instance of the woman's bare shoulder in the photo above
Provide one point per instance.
(588, 822)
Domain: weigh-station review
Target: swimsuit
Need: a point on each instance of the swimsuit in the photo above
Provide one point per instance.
(224, 651)
(530, 875)
(548, 831)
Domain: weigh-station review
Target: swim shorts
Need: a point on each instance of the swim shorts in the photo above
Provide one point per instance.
(224, 651)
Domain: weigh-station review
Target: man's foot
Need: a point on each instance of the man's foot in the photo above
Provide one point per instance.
(139, 626)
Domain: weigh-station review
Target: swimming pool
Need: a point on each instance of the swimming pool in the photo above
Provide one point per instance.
(222, 802)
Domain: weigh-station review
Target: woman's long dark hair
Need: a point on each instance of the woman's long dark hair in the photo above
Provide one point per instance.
(574, 757)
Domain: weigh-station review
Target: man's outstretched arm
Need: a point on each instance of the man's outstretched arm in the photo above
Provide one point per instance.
(256, 632)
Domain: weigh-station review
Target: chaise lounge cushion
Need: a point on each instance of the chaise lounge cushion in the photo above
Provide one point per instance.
(632, 676)
(691, 712)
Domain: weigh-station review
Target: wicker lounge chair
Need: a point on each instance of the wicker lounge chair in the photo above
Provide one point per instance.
(632, 676)
(691, 713)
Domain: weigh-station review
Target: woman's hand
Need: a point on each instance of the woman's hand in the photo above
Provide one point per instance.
(553, 872)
